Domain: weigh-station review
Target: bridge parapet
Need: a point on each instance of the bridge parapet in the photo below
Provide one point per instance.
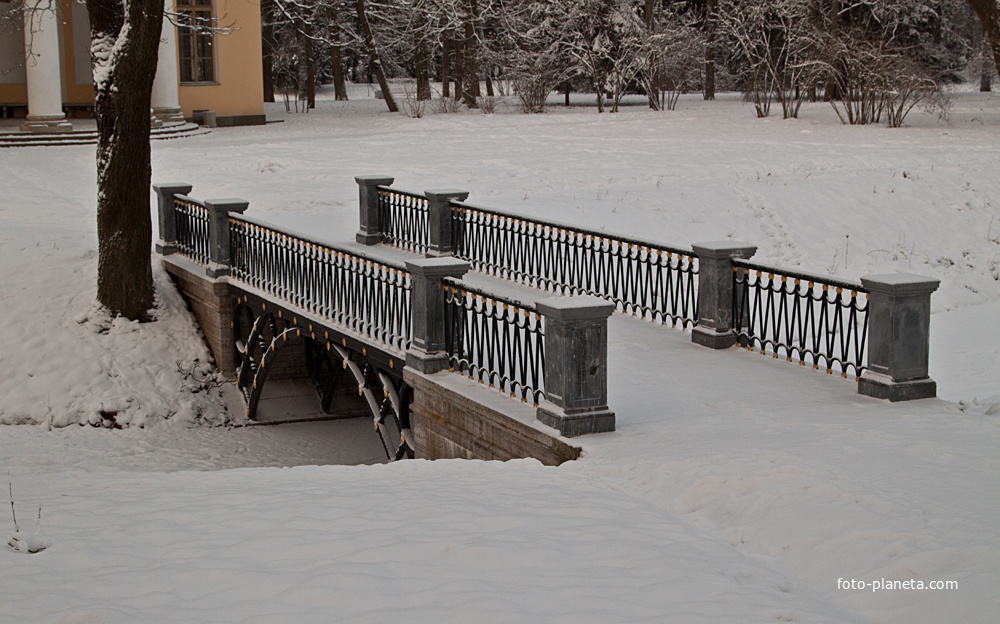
(710, 287)
(258, 289)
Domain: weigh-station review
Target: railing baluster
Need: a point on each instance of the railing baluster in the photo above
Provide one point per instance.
(810, 320)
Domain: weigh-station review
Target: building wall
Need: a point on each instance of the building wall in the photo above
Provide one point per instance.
(78, 78)
(239, 92)
(13, 89)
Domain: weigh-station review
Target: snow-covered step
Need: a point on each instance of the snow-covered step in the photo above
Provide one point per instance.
(83, 137)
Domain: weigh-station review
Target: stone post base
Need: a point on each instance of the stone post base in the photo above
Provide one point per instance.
(713, 339)
(883, 387)
(168, 115)
(46, 124)
(426, 363)
(571, 425)
(367, 238)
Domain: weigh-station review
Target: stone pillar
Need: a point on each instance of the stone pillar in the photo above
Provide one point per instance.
(43, 68)
(426, 353)
(899, 315)
(164, 98)
(715, 292)
(576, 365)
(368, 201)
(218, 233)
(439, 220)
(167, 243)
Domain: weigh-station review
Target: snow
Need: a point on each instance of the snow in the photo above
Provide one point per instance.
(737, 487)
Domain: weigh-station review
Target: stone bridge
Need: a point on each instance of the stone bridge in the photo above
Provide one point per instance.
(382, 325)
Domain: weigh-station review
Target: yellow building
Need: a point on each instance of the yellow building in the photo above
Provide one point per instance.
(45, 73)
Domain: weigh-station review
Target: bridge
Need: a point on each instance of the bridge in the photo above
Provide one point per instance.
(472, 332)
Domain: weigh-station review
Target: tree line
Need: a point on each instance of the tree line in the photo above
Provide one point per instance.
(873, 59)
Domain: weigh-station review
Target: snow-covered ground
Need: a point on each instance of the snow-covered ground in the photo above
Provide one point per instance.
(736, 489)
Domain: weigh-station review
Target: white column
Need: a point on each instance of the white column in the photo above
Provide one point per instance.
(42, 68)
(165, 102)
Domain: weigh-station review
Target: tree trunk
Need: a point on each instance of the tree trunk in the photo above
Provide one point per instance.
(489, 85)
(711, 25)
(308, 65)
(459, 66)
(266, 45)
(471, 81)
(989, 14)
(652, 82)
(446, 67)
(832, 90)
(126, 38)
(420, 62)
(336, 62)
(421, 57)
(376, 63)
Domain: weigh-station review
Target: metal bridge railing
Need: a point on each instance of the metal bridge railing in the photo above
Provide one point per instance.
(811, 319)
(402, 219)
(368, 296)
(191, 220)
(495, 340)
(650, 280)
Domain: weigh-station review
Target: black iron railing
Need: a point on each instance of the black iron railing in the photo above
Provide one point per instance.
(402, 219)
(368, 296)
(647, 279)
(191, 223)
(814, 320)
(495, 340)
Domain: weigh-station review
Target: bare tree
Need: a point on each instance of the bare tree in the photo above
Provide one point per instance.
(373, 55)
(675, 52)
(989, 14)
(775, 48)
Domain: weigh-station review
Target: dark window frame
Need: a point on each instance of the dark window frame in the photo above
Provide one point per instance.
(196, 42)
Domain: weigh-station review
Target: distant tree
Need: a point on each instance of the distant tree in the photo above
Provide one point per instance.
(887, 57)
(373, 56)
(989, 14)
(675, 53)
(711, 33)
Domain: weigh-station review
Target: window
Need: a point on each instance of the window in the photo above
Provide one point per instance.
(196, 40)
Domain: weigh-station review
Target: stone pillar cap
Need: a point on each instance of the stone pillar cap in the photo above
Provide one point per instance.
(447, 193)
(575, 308)
(374, 180)
(230, 204)
(443, 266)
(172, 187)
(900, 283)
(724, 249)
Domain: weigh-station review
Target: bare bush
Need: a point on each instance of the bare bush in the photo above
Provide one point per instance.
(675, 54)
(532, 91)
(487, 104)
(775, 51)
(875, 82)
(412, 105)
(447, 105)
